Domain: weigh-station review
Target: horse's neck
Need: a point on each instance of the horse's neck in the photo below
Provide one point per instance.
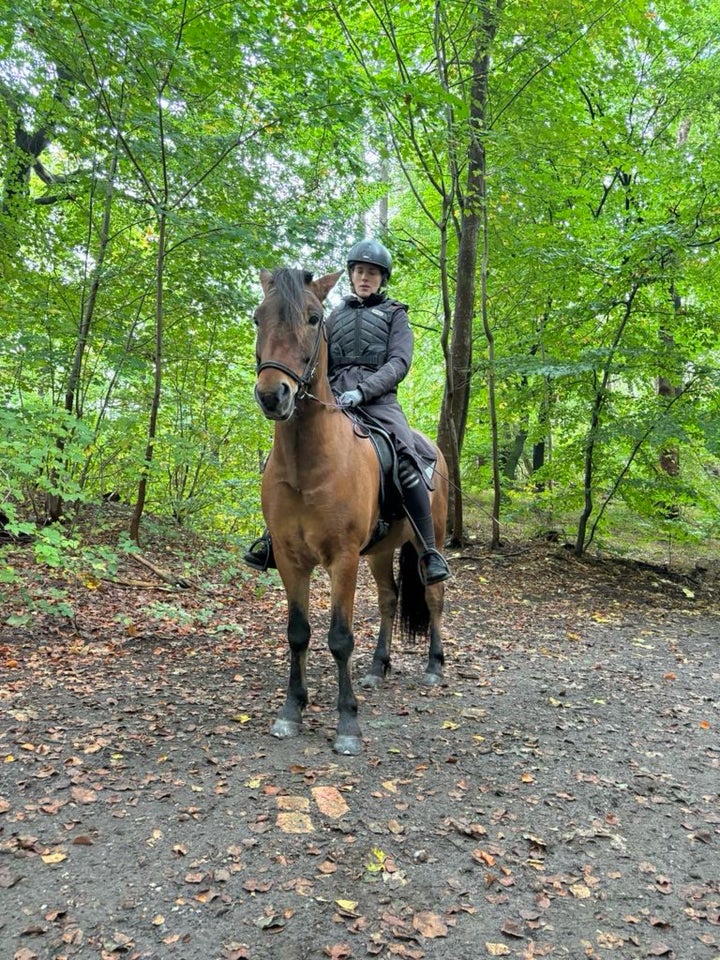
(310, 443)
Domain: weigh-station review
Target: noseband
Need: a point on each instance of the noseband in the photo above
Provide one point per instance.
(308, 373)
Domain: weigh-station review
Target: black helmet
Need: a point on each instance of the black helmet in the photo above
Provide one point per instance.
(371, 251)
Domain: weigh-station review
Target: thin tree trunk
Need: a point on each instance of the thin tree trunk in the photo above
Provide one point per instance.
(157, 390)
(447, 437)
(71, 391)
(598, 404)
(492, 406)
(456, 401)
(53, 501)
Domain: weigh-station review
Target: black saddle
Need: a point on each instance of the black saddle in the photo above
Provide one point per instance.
(390, 493)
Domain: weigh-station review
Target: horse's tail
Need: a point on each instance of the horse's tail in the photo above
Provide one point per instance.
(413, 609)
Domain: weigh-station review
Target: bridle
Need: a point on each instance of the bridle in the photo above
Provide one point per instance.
(308, 373)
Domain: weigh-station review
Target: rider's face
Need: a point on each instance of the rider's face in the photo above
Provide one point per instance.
(366, 279)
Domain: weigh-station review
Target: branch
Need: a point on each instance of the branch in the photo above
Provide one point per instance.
(166, 577)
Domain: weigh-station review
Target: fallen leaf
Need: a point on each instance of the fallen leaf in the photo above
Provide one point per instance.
(294, 822)
(482, 856)
(235, 951)
(206, 896)
(257, 886)
(57, 857)
(83, 795)
(512, 929)
(580, 891)
(273, 922)
(610, 941)
(293, 803)
(330, 801)
(430, 925)
(338, 951)
(402, 950)
(497, 949)
(660, 950)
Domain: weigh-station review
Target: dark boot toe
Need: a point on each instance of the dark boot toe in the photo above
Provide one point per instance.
(433, 567)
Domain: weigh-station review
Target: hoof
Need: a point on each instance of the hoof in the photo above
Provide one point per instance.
(432, 679)
(371, 682)
(284, 729)
(348, 746)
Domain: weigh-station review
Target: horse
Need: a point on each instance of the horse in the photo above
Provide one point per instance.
(320, 500)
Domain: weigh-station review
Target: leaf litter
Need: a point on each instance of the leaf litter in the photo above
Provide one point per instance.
(556, 796)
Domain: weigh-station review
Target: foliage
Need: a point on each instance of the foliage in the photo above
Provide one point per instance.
(153, 159)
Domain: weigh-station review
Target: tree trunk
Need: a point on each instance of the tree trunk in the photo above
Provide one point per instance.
(456, 399)
(155, 403)
(600, 395)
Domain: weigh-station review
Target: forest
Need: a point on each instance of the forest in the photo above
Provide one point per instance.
(546, 177)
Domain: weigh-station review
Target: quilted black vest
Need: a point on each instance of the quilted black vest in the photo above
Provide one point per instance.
(360, 334)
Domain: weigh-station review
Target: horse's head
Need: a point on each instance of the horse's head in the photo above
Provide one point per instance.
(290, 338)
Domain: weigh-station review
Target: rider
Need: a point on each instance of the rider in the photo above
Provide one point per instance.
(370, 347)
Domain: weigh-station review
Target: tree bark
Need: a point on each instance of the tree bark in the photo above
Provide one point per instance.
(472, 226)
(157, 388)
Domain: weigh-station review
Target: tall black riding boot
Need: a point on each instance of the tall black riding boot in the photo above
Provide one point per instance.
(433, 565)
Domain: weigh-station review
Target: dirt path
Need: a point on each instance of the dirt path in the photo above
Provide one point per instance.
(556, 797)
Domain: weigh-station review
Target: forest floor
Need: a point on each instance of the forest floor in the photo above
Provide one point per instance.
(556, 797)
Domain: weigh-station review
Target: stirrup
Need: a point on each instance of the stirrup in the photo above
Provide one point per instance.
(260, 554)
(433, 567)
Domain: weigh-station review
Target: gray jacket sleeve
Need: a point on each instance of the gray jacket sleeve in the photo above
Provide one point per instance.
(399, 357)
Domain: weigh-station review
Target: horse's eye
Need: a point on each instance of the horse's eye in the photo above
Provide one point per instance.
(314, 319)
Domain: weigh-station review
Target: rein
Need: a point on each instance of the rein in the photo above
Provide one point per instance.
(308, 373)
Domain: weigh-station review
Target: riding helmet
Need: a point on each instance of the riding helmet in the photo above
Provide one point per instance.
(371, 251)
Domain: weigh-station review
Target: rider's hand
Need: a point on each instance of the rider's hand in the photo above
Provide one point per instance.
(351, 398)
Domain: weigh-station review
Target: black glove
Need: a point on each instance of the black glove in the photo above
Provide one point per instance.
(351, 398)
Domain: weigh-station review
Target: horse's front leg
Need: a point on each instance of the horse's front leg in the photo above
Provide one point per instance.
(381, 566)
(289, 719)
(343, 578)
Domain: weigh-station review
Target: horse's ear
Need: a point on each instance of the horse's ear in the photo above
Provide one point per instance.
(265, 280)
(323, 285)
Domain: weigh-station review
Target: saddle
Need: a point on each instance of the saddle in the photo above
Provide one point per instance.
(390, 493)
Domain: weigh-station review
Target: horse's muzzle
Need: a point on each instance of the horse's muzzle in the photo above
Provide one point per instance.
(278, 403)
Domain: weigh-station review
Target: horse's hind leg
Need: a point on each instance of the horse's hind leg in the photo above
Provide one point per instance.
(289, 719)
(435, 598)
(381, 566)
